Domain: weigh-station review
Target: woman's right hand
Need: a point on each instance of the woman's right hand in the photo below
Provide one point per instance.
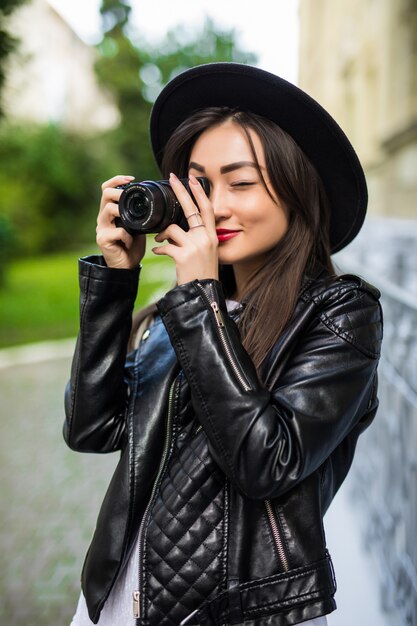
(118, 247)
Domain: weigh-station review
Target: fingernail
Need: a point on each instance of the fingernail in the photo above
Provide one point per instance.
(172, 175)
(193, 180)
(129, 177)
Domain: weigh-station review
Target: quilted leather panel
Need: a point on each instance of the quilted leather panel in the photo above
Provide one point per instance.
(184, 559)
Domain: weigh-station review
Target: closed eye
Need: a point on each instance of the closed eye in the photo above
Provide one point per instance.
(243, 184)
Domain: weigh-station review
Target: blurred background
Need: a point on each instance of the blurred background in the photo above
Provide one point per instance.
(77, 82)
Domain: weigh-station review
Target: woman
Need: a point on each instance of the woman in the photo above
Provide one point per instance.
(238, 409)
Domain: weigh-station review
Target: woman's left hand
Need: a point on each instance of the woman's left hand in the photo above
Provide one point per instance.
(195, 251)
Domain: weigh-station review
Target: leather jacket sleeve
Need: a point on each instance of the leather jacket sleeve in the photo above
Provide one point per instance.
(96, 395)
(267, 441)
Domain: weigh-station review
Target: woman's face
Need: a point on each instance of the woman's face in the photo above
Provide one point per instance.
(248, 222)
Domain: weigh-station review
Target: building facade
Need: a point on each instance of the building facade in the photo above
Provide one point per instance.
(51, 76)
(359, 59)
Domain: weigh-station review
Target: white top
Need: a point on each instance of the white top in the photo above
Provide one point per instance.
(118, 609)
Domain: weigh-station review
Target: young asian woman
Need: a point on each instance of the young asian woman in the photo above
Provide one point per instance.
(237, 411)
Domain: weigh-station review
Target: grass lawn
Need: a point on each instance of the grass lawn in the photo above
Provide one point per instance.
(39, 301)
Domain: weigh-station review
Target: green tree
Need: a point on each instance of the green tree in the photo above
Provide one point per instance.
(134, 73)
(183, 49)
(8, 42)
(118, 68)
(50, 182)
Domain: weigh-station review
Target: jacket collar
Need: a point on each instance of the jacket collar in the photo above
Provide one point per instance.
(311, 277)
(308, 279)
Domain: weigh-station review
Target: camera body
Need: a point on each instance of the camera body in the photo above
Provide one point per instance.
(150, 206)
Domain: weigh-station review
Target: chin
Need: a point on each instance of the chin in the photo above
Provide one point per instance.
(227, 259)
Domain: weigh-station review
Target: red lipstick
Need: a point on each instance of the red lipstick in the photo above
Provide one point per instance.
(224, 234)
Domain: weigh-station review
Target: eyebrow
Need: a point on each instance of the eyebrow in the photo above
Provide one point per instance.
(226, 168)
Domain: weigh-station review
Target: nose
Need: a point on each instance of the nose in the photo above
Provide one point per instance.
(219, 202)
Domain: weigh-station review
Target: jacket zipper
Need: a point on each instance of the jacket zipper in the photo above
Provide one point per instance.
(277, 536)
(223, 336)
(243, 381)
(137, 609)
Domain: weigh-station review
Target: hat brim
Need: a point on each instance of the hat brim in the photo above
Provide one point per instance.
(313, 129)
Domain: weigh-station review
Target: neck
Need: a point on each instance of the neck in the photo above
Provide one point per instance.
(243, 273)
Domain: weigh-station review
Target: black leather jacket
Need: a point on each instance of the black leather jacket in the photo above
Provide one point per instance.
(226, 479)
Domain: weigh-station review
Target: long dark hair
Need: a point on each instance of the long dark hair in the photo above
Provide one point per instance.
(271, 293)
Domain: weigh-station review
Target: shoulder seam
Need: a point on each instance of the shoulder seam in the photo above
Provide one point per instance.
(346, 335)
(336, 290)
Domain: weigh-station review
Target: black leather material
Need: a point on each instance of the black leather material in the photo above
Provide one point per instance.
(285, 593)
(234, 608)
(231, 488)
(185, 556)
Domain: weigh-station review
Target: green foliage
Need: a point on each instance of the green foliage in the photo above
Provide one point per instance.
(50, 181)
(7, 41)
(39, 300)
(118, 69)
(183, 49)
(134, 73)
(6, 244)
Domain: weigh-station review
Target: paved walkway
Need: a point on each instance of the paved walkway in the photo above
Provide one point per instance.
(50, 497)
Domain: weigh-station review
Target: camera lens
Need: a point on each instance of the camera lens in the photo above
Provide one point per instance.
(138, 206)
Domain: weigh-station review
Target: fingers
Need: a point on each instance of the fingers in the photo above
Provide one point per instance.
(203, 202)
(109, 191)
(183, 196)
(107, 233)
(107, 237)
(108, 214)
(110, 194)
(119, 248)
(189, 207)
(183, 246)
(117, 180)
(168, 250)
(176, 237)
(109, 199)
(173, 233)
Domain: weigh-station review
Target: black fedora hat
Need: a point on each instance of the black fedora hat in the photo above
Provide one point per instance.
(252, 89)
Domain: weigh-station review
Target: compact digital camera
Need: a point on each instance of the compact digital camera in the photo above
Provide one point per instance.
(150, 206)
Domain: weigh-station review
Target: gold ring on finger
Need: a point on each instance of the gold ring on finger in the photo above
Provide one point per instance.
(197, 226)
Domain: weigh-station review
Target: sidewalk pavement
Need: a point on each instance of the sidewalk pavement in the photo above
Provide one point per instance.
(50, 497)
